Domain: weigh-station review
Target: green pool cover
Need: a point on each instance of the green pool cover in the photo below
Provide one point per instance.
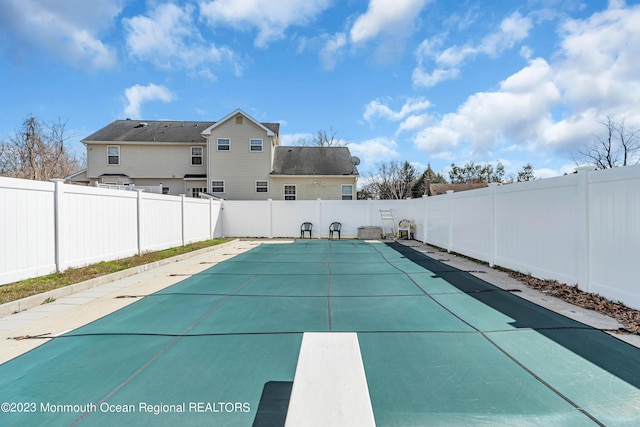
(439, 347)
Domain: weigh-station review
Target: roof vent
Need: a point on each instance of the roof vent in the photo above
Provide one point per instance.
(141, 125)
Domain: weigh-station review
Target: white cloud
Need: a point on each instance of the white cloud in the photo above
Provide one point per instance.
(295, 138)
(168, 37)
(137, 95)
(376, 108)
(518, 111)
(617, 4)
(543, 173)
(374, 150)
(587, 84)
(332, 50)
(411, 114)
(271, 19)
(390, 17)
(414, 122)
(604, 75)
(329, 48)
(421, 78)
(69, 29)
(390, 23)
(513, 29)
(438, 141)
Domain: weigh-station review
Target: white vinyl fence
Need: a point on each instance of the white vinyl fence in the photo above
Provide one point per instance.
(578, 229)
(280, 218)
(50, 226)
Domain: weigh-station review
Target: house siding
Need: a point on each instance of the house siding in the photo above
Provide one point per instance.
(330, 188)
(239, 167)
(141, 161)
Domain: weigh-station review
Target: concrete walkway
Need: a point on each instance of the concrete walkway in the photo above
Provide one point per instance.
(106, 295)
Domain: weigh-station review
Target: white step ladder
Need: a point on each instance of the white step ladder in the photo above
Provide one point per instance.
(388, 223)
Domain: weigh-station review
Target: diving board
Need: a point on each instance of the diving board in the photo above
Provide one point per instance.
(330, 385)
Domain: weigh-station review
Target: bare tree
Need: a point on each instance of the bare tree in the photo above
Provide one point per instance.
(620, 146)
(393, 180)
(322, 138)
(38, 152)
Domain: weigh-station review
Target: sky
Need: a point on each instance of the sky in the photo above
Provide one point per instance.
(432, 82)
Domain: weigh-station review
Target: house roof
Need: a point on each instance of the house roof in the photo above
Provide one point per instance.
(313, 161)
(157, 131)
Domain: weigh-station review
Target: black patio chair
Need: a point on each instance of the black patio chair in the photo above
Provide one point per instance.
(305, 227)
(334, 228)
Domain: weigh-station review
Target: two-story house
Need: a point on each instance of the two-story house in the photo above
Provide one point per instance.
(236, 158)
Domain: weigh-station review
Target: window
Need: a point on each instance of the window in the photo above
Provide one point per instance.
(217, 186)
(347, 192)
(196, 156)
(113, 155)
(290, 192)
(262, 186)
(195, 192)
(255, 145)
(224, 144)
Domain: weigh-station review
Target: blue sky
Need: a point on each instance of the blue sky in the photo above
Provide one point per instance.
(427, 81)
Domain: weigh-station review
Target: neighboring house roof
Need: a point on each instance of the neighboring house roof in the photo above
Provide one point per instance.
(158, 131)
(313, 161)
(436, 189)
(80, 176)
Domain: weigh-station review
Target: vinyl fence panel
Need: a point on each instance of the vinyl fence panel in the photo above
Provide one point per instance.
(288, 215)
(160, 222)
(614, 234)
(96, 224)
(471, 218)
(538, 227)
(246, 218)
(197, 213)
(27, 229)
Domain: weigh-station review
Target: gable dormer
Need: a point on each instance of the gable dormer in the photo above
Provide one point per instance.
(240, 118)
